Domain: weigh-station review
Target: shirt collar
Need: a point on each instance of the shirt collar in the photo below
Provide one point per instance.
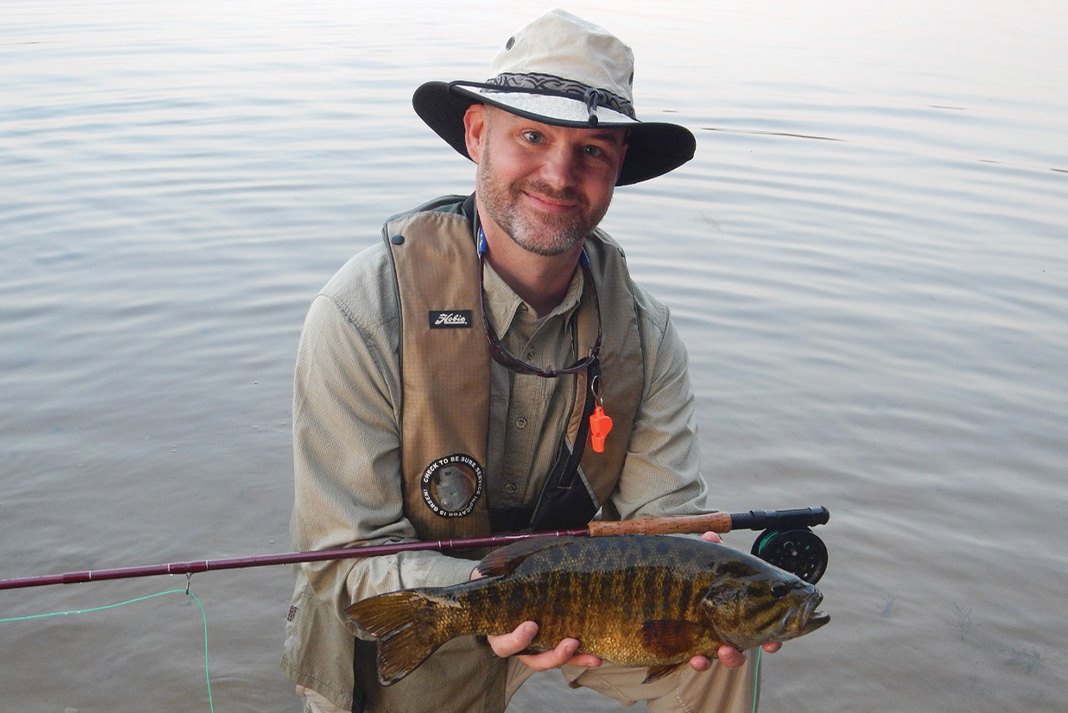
(505, 305)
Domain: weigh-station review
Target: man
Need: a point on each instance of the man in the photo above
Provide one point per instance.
(446, 381)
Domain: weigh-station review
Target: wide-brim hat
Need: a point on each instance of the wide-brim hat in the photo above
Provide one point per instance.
(563, 71)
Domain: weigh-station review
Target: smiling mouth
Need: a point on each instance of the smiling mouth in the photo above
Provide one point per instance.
(551, 204)
(554, 200)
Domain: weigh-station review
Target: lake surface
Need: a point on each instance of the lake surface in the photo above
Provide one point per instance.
(868, 259)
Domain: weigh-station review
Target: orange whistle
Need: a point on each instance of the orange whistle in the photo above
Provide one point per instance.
(600, 425)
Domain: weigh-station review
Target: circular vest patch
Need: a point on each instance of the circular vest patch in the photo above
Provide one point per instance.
(452, 485)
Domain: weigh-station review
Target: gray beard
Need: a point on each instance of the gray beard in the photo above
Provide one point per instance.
(550, 236)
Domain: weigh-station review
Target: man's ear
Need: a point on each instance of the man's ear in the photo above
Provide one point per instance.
(475, 130)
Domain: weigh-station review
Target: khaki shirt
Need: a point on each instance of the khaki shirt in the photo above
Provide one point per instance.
(347, 455)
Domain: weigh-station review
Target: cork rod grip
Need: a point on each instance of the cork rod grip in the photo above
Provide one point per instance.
(670, 525)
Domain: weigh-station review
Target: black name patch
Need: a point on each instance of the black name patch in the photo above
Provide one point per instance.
(451, 319)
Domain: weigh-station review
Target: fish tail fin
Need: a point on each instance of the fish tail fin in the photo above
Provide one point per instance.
(409, 627)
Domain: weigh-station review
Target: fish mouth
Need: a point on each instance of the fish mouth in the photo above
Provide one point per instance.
(807, 619)
(814, 621)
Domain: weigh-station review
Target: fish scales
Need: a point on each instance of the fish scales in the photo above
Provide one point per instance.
(656, 601)
(545, 586)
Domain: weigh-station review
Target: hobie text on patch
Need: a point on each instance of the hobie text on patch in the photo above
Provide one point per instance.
(450, 319)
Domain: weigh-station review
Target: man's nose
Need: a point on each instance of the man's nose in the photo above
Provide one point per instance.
(560, 166)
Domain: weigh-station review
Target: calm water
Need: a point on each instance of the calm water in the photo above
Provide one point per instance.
(868, 259)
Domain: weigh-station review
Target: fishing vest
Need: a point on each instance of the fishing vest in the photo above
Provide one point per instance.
(445, 370)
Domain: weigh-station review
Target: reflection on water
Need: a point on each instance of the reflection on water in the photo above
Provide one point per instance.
(867, 259)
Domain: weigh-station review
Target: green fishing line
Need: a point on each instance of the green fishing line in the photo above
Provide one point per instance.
(756, 680)
(203, 618)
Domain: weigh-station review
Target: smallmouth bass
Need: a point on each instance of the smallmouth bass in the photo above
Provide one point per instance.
(633, 600)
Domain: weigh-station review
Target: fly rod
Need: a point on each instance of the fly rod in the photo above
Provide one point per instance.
(771, 520)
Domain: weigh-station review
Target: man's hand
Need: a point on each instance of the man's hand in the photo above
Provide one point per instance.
(505, 645)
(511, 644)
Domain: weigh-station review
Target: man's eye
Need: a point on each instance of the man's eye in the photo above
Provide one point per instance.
(594, 151)
(533, 137)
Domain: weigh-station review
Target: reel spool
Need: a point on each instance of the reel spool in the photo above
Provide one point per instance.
(799, 551)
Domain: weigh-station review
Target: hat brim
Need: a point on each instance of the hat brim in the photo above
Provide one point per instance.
(653, 148)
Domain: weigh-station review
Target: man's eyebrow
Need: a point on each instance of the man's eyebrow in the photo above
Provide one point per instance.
(608, 135)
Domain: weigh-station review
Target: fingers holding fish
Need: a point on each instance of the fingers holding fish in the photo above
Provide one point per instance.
(522, 638)
(700, 663)
(510, 644)
(732, 657)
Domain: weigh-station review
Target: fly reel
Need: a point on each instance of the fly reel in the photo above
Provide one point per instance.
(798, 551)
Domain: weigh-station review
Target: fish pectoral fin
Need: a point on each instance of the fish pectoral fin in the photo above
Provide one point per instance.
(658, 672)
(667, 637)
(504, 560)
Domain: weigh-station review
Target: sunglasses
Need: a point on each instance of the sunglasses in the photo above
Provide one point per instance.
(506, 358)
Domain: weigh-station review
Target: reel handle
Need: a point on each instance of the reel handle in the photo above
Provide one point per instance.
(780, 519)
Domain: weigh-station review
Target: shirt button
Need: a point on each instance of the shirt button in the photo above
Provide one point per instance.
(520, 422)
(509, 488)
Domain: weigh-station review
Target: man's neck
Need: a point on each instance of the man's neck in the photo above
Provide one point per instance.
(540, 280)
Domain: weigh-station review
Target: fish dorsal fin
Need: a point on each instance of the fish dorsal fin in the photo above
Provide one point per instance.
(506, 559)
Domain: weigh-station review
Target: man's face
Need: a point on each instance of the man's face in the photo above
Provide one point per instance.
(545, 186)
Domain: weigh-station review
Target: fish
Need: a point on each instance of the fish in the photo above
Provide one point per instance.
(633, 600)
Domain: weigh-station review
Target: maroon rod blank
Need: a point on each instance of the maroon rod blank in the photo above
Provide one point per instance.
(713, 522)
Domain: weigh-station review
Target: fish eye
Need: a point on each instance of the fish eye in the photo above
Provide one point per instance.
(780, 589)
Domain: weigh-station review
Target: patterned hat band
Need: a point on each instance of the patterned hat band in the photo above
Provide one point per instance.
(560, 70)
(550, 85)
